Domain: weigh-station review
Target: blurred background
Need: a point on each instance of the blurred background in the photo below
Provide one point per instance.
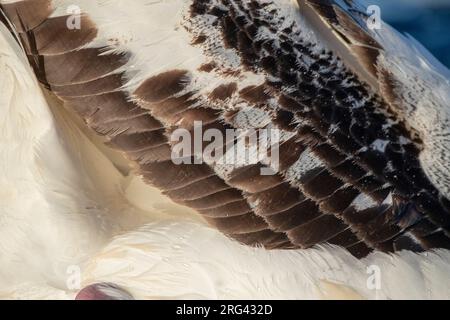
(426, 20)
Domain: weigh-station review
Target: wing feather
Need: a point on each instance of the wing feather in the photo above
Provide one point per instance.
(241, 65)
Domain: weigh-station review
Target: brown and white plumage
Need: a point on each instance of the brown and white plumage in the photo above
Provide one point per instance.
(356, 167)
(224, 61)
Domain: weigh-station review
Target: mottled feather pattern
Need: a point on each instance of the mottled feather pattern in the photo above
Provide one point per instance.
(340, 111)
(349, 174)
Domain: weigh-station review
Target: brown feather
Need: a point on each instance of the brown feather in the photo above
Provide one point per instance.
(27, 15)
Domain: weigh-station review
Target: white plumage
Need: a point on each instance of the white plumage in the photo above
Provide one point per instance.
(65, 203)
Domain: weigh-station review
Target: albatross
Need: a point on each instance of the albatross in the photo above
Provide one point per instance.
(95, 207)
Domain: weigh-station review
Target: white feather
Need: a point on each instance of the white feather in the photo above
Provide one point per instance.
(63, 201)
(424, 90)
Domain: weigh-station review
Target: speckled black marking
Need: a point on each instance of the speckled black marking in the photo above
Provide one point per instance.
(347, 117)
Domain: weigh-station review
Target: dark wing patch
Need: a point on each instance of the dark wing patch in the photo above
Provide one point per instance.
(307, 92)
